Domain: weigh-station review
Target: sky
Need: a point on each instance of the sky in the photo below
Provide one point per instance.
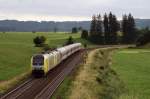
(70, 10)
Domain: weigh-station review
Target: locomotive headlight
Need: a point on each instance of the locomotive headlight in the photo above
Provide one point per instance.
(37, 68)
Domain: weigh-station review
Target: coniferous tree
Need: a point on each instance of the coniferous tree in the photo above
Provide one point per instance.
(115, 28)
(124, 28)
(99, 30)
(128, 29)
(131, 29)
(93, 26)
(106, 29)
(110, 23)
(93, 30)
(111, 31)
(99, 25)
(111, 27)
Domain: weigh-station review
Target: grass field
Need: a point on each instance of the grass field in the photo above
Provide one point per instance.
(133, 67)
(17, 48)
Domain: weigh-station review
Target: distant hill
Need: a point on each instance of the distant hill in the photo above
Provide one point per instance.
(28, 26)
(141, 23)
(66, 26)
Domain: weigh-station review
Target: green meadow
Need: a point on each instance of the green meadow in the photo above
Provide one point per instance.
(133, 67)
(17, 48)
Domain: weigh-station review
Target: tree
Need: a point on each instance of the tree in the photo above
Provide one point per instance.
(110, 18)
(93, 26)
(99, 25)
(55, 29)
(80, 28)
(106, 28)
(111, 28)
(144, 38)
(69, 41)
(131, 29)
(99, 29)
(74, 30)
(84, 34)
(125, 24)
(115, 28)
(109, 24)
(96, 34)
(39, 41)
(128, 29)
(33, 31)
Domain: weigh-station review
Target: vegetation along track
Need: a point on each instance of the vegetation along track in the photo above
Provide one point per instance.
(43, 88)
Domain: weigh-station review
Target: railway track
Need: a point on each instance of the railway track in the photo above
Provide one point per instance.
(43, 88)
(17, 91)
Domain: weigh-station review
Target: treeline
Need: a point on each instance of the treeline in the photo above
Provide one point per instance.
(144, 37)
(108, 30)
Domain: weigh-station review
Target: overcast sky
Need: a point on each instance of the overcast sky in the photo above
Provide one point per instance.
(67, 10)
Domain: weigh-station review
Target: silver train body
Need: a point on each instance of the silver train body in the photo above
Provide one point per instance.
(41, 64)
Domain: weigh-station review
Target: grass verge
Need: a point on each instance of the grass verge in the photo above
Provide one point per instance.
(96, 79)
(9, 84)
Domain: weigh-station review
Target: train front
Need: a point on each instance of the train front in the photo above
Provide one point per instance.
(37, 65)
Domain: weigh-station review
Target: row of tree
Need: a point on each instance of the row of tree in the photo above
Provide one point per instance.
(108, 30)
(144, 37)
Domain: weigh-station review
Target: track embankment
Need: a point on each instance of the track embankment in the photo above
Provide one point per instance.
(96, 79)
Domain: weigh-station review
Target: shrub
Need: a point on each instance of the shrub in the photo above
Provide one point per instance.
(144, 39)
(39, 41)
(69, 41)
(33, 31)
(84, 34)
(74, 30)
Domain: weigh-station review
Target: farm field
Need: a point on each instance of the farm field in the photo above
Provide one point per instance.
(133, 67)
(17, 48)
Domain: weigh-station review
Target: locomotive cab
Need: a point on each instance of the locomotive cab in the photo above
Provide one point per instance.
(37, 65)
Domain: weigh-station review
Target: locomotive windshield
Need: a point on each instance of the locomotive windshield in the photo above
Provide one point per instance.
(38, 60)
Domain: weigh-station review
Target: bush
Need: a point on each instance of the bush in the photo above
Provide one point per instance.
(84, 34)
(69, 41)
(144, 39)
(46, 47)
(33, 31)
(74, 30)
(39, 41)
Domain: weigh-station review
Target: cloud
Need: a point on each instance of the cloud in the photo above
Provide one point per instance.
(55, 9)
